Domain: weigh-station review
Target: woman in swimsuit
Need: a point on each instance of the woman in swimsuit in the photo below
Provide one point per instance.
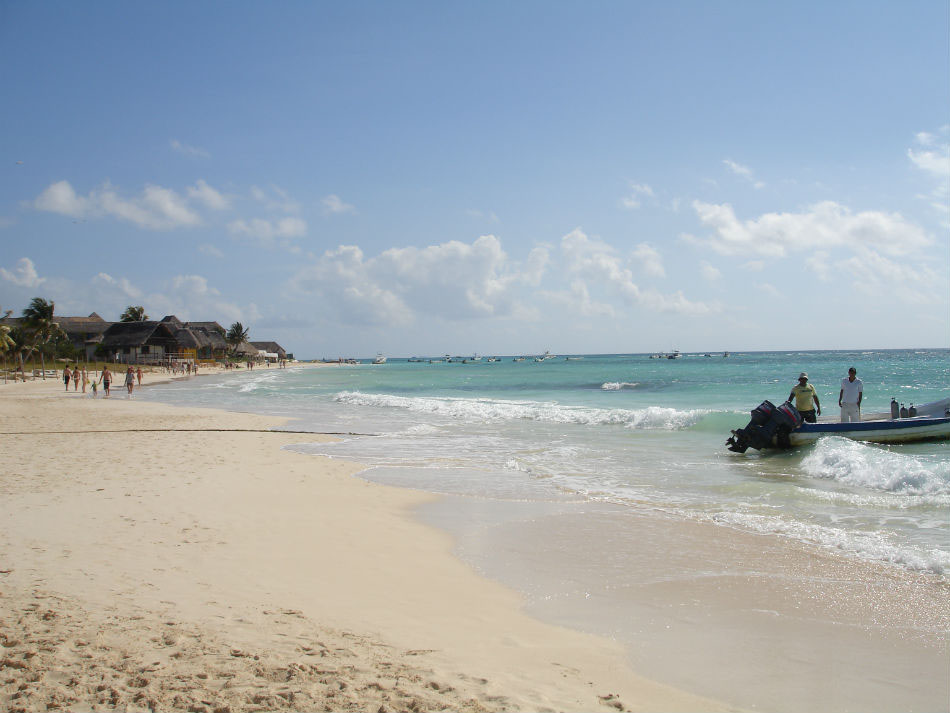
(66, 375)
(130, 381)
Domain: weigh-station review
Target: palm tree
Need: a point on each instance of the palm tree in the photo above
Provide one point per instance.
(237, 335)
(38, 323)
(134, 314)
(6, 342)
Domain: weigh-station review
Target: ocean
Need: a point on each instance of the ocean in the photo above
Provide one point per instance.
(633, 431)
(601, 488)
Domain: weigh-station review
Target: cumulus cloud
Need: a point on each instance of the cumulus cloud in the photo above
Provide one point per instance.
(275, 199)
(824, 225)
(210, 250)
(23, 275)
(649, 259)
(598, 262)
(577, 300)
(187, 150)
(933, 158)
(207, 195)
(269, 231)
(743, 171)
(334, 204)
(157, 208)
(120, 285)
(452, 280)
(637, 192)
(709, 272)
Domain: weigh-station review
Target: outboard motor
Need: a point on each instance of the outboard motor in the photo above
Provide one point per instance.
(895, 409)
(769, 428)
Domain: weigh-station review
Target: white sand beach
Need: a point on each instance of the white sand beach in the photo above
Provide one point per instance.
(154, 557)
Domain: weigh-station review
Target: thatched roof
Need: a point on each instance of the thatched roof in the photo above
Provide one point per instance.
(209, 326)
(136, 334)
(247, 349)
(272, 348)
(86, 327)
(187, 339)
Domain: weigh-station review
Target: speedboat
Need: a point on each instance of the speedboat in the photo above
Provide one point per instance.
(380, 359)
(782, 427)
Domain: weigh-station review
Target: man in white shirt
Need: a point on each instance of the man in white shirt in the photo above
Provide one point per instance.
(849, 398)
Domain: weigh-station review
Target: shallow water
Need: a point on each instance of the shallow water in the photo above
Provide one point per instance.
(601, 489)
(637, 432)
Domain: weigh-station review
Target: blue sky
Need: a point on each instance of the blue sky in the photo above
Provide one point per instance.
(499, 177)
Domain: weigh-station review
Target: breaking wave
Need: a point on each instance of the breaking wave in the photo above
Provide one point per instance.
(619, 385)
(494, 410)
(858, 464)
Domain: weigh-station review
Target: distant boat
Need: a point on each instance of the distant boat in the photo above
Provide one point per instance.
(725, 354)
(675, 354)
(380, 359)
(573, 358)
(521, 358)
(544, 357)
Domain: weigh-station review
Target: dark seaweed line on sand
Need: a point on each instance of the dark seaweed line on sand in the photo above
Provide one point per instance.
(186, 430)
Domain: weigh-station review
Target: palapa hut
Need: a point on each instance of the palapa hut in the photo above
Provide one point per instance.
(140, 341)
(271, 351)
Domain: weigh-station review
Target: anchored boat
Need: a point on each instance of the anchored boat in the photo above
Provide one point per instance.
(782, 427)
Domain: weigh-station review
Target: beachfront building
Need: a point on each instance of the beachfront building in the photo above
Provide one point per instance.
(270, 352)
(140, 342)
(84, 333)
(201, 340)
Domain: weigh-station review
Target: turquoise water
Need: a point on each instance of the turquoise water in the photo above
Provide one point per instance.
(634, 431)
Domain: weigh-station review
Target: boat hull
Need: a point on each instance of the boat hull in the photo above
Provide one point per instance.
(903, 430)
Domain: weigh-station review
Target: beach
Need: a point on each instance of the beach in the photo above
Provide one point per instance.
(161, 557)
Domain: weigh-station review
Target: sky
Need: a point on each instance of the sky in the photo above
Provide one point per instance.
(422, 178)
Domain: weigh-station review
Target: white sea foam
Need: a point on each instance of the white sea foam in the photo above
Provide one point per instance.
(858, 464)
(257, 382)
(868, 545)
(618, 385)
(491, 410)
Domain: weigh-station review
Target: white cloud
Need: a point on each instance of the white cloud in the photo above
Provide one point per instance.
(820, 264)
(743, 171)
(875, 274)
(452, 280)
(210, 250)
(268, 231)
(23, 275)
(649, 259)
(710, 272)
(334, 204)
(934, 160)
(277, 200)
(207, 195)
(637, 191)
(187, 150)
(823, 226)
(599, 263)
(156, 208)
(577, 300)
(120, 285)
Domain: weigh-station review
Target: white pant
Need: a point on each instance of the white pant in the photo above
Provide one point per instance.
(850, 412)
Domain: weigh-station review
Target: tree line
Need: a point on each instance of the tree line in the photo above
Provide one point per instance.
(38, 332)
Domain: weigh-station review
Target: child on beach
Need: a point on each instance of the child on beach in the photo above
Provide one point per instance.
(130, 381)
(95, 386)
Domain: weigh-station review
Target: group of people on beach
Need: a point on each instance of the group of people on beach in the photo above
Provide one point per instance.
(77, 374)
(849, 398)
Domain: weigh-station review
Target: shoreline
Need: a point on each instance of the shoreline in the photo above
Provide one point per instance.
(220, 570)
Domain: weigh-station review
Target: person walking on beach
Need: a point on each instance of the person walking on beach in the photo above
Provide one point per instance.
(806, 398)
(138, 375)
(66, 374)
(85, 379)
(106, 380)
(849, 398)
(130, 380)
(76, 378)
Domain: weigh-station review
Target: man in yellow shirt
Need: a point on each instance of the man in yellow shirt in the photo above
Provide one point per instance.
(806, 399)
